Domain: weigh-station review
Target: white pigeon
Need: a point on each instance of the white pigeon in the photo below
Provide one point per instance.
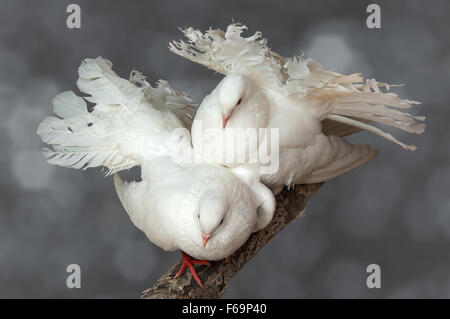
(204, 210)
(312, 109)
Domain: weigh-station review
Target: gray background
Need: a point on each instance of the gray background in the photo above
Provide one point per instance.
(395, 211)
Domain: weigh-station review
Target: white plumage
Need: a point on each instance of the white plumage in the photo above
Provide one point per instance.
(312, 108)
(177, 203)
(187, 199)
(174, 204)
(117, 133)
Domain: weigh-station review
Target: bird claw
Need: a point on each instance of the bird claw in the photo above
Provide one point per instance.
(189, 262)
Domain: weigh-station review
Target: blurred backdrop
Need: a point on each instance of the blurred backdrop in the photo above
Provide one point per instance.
(394, 211)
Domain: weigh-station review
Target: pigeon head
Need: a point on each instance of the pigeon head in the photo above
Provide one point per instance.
(232, 113)
(215, 213)
(213, 208)
(231, 92)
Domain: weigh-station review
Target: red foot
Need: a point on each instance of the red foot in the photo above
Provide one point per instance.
(189, 262)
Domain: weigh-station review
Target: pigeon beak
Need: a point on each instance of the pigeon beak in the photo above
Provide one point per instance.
(206, 237)
(225, 119)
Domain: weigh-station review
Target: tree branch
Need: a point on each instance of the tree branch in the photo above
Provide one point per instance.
(290, 205)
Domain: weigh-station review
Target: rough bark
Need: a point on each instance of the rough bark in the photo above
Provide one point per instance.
(290, 206)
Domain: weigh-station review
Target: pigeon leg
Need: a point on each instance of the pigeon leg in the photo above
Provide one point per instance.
(189, 262)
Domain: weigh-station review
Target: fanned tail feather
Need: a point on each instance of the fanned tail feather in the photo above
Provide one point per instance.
(356, 105)
(80, 139)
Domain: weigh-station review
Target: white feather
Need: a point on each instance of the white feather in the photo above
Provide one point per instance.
(119, 132)
(67, 104)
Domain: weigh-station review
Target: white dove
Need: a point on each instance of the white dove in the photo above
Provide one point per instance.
(204, 210)
(312, 109)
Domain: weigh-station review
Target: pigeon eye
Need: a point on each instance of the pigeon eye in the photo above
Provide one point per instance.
(239, 102)
(221, 222)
